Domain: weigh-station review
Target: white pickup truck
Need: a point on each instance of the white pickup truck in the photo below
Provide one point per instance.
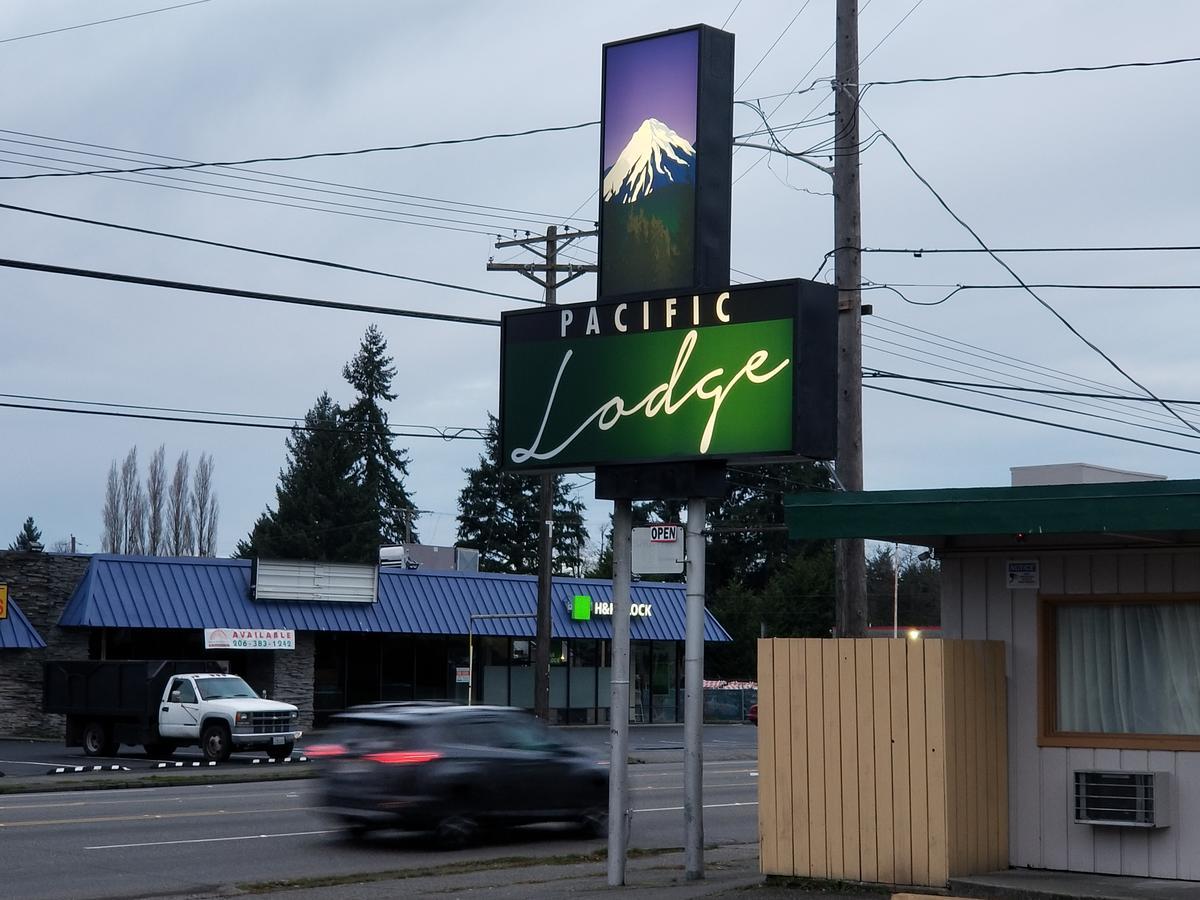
(163, 705)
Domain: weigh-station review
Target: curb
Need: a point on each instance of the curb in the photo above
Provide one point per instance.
(70, 770)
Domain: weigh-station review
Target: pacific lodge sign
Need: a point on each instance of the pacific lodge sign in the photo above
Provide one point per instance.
(749, 371)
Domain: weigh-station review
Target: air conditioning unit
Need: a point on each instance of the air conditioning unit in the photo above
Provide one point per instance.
(1124, 799)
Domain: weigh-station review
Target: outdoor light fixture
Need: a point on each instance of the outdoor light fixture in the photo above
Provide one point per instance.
(914, 634)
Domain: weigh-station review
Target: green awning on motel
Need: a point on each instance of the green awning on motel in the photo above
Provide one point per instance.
(1122, 513)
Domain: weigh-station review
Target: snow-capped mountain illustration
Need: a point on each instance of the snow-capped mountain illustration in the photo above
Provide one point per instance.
(655, 156)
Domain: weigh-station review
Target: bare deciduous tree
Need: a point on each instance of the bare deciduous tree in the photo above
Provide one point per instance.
(180, 537)
(135, 540)
(130, 488)
(156, 489)
(113, 538)
(204, 507)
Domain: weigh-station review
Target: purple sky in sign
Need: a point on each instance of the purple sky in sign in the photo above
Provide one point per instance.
(653, 78)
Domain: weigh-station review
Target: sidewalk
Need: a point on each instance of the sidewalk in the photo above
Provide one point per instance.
(730, 871)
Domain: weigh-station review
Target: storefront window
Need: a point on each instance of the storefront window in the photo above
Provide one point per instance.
(491, 668)
(397, 667)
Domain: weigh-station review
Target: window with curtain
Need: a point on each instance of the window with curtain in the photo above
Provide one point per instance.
(1126, 668)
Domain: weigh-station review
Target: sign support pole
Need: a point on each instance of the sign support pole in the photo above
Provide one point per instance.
(618, 712)
(693, 708)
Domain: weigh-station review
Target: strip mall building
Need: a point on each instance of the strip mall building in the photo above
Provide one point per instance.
(427, 635)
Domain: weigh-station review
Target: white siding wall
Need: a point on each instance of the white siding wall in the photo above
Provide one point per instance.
(976, 604)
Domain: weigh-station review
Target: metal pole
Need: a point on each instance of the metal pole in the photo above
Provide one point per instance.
(693, 701)
(470, 661)
(851, 618)
(896, 591)
(618, 712)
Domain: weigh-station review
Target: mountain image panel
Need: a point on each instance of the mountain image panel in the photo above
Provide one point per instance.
(649, 197)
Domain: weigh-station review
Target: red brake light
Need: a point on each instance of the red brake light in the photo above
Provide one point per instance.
(403, 757)
(325, 751)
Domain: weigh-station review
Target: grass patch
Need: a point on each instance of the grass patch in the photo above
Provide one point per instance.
(454, 868)
(117, 781)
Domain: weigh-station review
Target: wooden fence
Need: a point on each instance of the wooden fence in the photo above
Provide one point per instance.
(882, 760)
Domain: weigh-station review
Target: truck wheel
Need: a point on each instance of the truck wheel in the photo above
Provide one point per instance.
(282, 752)
(97, 740)
(215, 742)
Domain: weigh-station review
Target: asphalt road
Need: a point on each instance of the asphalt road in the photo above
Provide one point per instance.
(201, 839)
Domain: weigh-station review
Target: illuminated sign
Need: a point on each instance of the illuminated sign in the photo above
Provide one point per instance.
(583, 608)
(3, 601)
(666, 140)
(745, 372)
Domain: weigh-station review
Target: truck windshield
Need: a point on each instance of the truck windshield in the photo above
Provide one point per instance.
(223, 688)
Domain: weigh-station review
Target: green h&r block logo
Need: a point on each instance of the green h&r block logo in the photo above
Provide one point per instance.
(581, 608)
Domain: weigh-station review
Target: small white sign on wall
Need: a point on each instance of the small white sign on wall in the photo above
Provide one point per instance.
(1023, 574)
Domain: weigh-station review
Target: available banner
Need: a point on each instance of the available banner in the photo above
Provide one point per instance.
(249, 639)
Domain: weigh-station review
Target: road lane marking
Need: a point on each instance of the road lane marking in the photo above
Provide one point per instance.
(707, 786)
(149, 817)
(141, 799)
(706, 806)
(31, 762)
(241, 837)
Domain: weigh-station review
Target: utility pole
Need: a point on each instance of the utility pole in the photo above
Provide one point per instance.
(851, 618)
(550, 282)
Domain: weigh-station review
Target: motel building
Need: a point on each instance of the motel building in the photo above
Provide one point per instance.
(1053, 730)
(405, 635)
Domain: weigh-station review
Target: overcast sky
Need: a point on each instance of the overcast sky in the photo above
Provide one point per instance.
(1067, 160)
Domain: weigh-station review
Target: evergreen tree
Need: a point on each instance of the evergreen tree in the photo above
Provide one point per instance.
(499, 511)
(321, 512)
(29, 535)
(380, 468)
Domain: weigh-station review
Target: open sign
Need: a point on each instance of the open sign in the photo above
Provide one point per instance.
(664, 534)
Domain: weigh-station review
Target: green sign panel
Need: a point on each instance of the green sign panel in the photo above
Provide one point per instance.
(581, 608)
(749, 372)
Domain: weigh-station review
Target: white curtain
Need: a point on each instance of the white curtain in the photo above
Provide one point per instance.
(1129, 669)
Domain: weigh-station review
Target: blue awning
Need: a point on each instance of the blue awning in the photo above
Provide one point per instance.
(16, 632)
(163, 592)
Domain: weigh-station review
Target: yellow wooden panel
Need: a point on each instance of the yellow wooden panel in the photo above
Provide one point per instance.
(833, 758)
(1002, 749)
(851, 853)
(800, 800)
(901, 776)
(919, 762)
(988, 772)
(935, 761)
(881, 693)
(782, 736)
(956, 748)
(818, 857)
(977, 712)
(868, 850)
(768, 841)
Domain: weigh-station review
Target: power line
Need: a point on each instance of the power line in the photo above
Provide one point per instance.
(257, 191)
(148, 12)
(921, 251)
(961, 288)
(353, 191)
(1128, 398)
(249, 295)
(260, 252)
(319, 155)
(1007, 415)
(388, 217)
(1024, 72)
(941, 201)
(763, 58)
(196, 420)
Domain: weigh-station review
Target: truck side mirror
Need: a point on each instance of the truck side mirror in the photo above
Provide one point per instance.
(176, 696)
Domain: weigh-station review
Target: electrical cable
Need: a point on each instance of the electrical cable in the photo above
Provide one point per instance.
(763, 58)
(1007, 415)
(244, 294)
(1115, 249)
(528, 215)
(1026, 72)
(878, 373)
(327, 154)
(269, 253)
(439, 430)
(274, 181)
(335, 212)
(196, 420)
(1066, 323)
(148, 12)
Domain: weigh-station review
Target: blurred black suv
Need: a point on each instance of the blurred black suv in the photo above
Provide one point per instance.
(454, 769)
